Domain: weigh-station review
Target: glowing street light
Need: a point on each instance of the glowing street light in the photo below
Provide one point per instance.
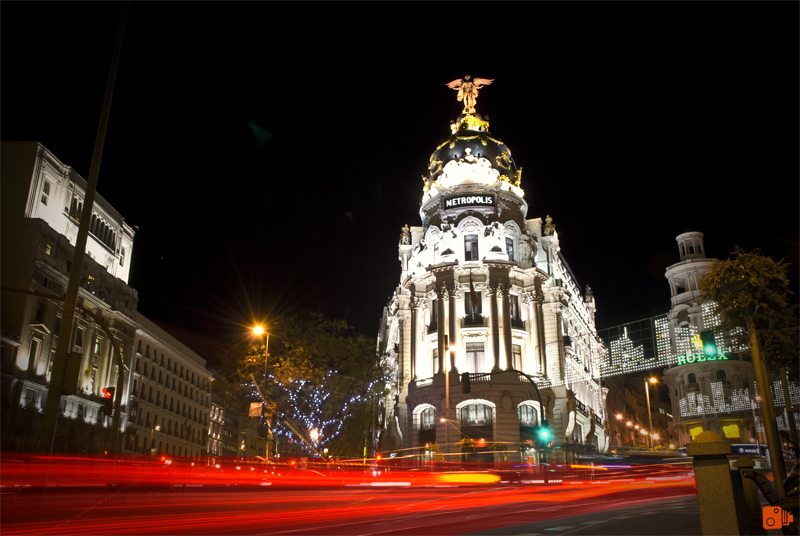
(313, 434)
(619, 416)
(629, 423)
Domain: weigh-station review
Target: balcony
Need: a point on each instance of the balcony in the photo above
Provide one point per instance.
(692, 387)
(433, 327)
(517, 322)
(473, 320)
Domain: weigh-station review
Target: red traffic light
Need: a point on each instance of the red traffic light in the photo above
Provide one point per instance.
(108, 392)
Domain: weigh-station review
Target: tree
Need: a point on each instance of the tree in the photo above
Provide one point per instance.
(321, 376)
(750, 284)
(752, 290)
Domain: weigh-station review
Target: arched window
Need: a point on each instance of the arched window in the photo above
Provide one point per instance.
(427, 419)
(476, 414)
(527, 415)
(692, 378)
(721, 375)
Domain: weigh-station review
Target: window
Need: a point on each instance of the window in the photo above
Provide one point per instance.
(473, 311)
(34, 355)
(48, 250)
(721, 375)
(527, 415)
(476, 414)
(577, 434)
(516, 357)
(475, 357)
(692, 378)
(434, 315)
(97, 345)
(50, 364)
(122, 257)
(45, 193)
(471, 248)
(510, 248)
(435, 357)
(426, 420)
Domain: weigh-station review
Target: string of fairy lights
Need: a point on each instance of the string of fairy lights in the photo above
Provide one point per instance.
(311, 408)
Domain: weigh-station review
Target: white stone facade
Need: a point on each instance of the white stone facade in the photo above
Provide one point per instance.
(496, 285)
(716, 395)
(42, 199)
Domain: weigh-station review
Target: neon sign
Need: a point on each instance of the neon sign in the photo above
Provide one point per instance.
(699, 357)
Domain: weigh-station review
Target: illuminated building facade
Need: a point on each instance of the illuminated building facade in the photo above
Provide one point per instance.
(170, 401)
(496, 286)
(718, 394)
(42, 203)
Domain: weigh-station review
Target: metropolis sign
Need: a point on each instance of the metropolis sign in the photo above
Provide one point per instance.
(456, 201)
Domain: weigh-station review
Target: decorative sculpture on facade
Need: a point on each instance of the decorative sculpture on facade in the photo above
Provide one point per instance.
(468, 91)
(549, 226)
(405, 236)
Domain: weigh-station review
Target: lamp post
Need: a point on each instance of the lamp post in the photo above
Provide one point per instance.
(649, 415)
(258, 331)
(155, 428)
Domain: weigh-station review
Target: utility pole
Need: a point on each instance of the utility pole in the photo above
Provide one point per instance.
(48, 427)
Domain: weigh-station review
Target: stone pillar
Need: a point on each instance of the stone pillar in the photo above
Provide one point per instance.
(415, 305)
(494, 330)
(452, 326)
(505, 297)
(715, 498)
(442, 295)
(532, 351)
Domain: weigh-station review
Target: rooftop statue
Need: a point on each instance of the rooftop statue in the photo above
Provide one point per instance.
(468, 91)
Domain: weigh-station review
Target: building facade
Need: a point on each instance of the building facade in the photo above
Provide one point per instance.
(485, 291)
(719, 394)
(42, 202)
(170, 402)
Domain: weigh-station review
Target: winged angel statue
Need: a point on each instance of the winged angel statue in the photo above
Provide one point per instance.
(468, 91)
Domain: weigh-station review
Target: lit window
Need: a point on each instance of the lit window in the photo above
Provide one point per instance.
(48, 250)
(475, 357)
(476, 414)
(427, 419)
(527, 415)
(471, 248)
(45, 192)
(510, 249)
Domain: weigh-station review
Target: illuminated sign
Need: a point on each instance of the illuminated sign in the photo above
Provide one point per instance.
(731, 430)
(699, 358)
(469, 201)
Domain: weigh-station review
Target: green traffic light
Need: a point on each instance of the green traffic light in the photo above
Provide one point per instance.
(545, 434)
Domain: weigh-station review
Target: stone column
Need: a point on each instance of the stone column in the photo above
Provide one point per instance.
(415, 305)
(505, 295)
(715, 498)
(442, 295)
(452, 326)
(494, 331)
(531, 352)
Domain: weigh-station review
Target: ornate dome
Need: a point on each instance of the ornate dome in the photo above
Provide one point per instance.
(471, 142)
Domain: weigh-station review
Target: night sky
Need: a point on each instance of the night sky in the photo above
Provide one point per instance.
(270, 153)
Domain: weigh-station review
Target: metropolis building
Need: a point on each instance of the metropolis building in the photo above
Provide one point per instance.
(164, 387)
(486, 291)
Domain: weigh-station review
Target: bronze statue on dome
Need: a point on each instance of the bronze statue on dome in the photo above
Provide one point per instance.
(468, 91)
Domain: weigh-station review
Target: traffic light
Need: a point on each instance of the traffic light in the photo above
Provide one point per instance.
(543, 435)
(465, 388)
(108, 399)
(709, 343)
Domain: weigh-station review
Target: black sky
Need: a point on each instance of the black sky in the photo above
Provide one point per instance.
(270, 153)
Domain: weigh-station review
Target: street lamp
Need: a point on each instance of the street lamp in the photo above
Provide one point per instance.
(649, 415)
(156, 428)
(313, 434)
